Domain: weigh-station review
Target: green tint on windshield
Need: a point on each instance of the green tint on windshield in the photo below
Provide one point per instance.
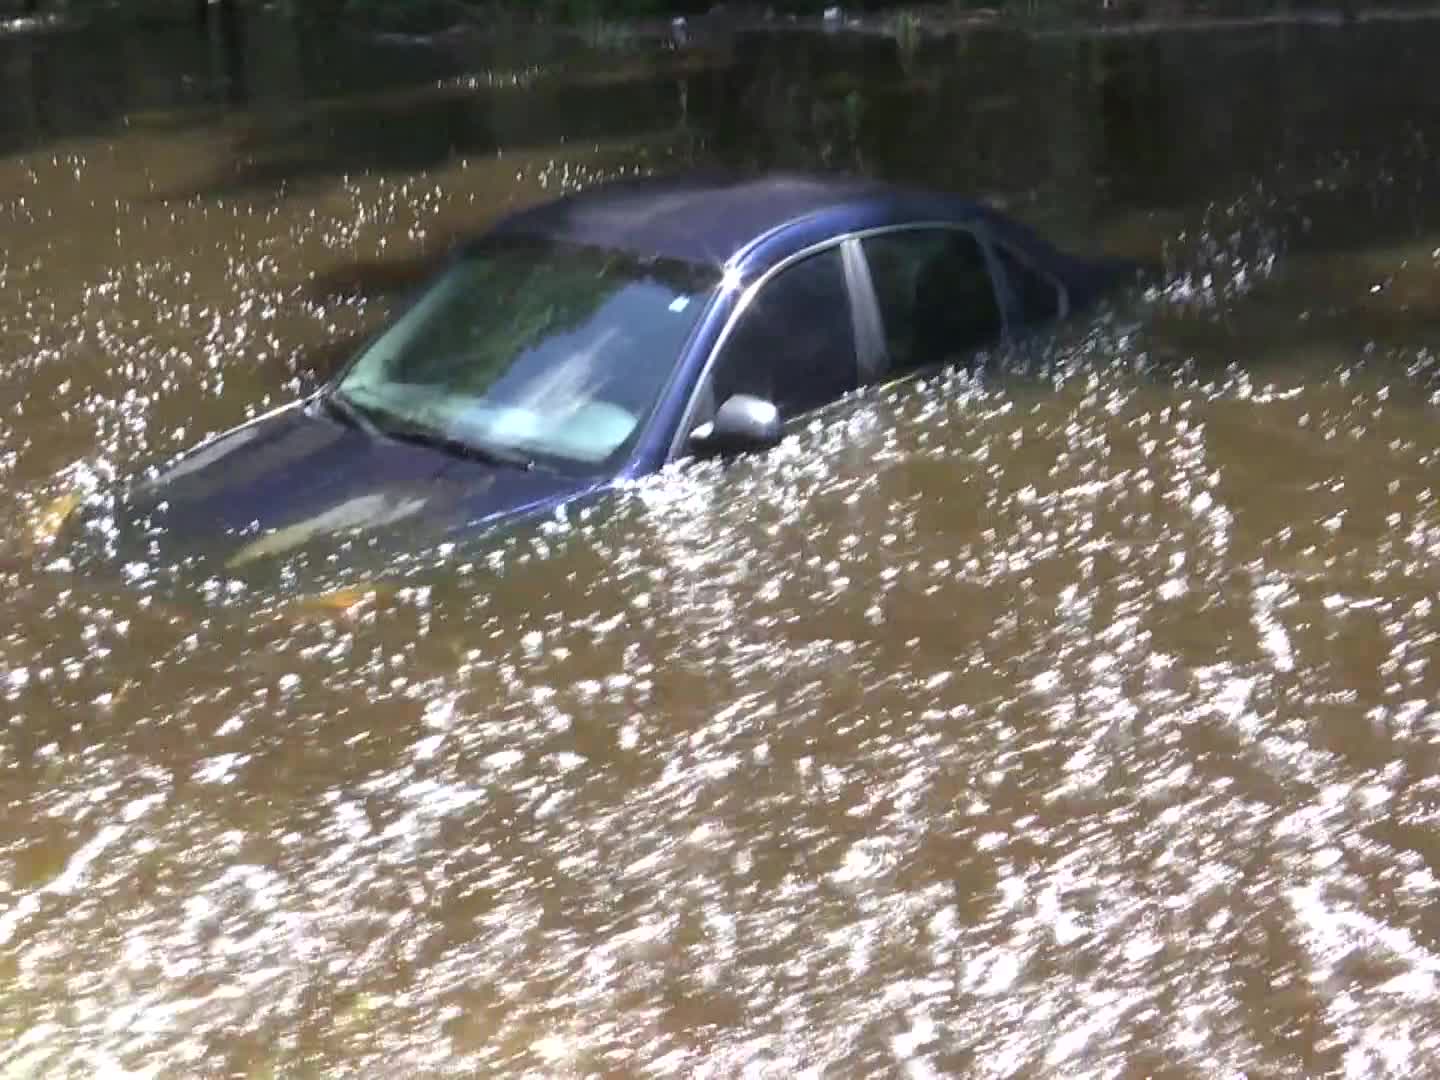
(535, 348)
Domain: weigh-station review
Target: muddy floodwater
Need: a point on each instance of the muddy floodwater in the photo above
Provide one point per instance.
(1073, 712)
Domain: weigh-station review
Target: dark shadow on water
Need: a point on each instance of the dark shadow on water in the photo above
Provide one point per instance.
(228, 39)
(322, 363)
(391, 278)
(1080, 126)
(411, 130)
(80, 79)
(299, 373)
(92, 74)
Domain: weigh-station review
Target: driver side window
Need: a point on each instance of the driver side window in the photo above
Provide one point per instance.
(795, 343)
(935, 293)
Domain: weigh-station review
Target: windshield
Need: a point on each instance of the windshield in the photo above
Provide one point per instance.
(532, 349)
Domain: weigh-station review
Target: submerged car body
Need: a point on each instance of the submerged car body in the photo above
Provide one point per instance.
(596, 338)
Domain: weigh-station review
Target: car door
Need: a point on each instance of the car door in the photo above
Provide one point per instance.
(935, 293)
(1034, 296)
(795, 344)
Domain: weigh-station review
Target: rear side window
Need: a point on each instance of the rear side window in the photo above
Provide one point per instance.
(795, 344)
(1036, 295)
(936, 297)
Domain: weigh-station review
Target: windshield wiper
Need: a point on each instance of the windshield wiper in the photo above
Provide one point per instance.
(379, 422)
(344, 410)
(424, 436)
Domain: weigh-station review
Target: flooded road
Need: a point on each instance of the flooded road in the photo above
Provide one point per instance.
(1071, 713)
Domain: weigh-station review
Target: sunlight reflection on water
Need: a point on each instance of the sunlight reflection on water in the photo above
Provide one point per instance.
(1069, 712)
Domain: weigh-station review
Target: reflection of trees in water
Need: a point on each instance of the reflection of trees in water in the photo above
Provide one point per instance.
(646, 102)
(1082, 122)
(985, 112)
(785, 102)
(227, 36)
(65, 81)
(1136, 131)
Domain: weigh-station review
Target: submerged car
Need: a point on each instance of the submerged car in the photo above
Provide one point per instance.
(598, 337)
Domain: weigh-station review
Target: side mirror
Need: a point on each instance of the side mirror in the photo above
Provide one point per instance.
(744, 423)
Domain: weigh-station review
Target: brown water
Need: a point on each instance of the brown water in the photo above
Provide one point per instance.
(1071, 714)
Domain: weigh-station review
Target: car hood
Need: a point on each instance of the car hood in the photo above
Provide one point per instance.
(293, 477)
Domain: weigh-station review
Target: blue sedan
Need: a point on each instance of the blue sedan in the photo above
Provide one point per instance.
(596, 338)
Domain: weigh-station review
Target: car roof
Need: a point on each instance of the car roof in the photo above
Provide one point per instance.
(710, 218)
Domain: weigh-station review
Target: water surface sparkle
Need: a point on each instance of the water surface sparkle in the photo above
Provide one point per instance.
(1069, 713)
